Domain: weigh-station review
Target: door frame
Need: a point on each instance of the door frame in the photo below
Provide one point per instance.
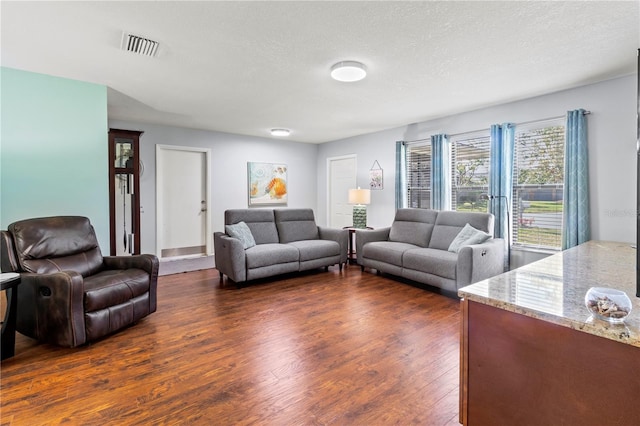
(328, 183)
(160, 149)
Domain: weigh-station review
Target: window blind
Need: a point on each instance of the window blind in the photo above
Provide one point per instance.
(419, 174)
(537, 190)
(470, 168)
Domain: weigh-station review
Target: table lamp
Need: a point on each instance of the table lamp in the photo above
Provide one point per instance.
(359, 198)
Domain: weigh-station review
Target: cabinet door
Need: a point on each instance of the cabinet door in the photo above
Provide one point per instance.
(518, 370)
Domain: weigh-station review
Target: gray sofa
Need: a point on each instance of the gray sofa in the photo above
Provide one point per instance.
(416, 247)
(286, 240)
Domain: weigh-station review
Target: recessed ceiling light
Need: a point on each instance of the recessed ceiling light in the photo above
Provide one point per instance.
(348, 71)
(280, 132)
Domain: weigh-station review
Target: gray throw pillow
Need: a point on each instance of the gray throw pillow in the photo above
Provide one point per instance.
(242, 232)
(468, 236)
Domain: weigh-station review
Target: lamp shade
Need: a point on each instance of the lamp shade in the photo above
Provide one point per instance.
(359, 196)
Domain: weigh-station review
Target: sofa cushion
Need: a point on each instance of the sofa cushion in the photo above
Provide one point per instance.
(295, 225)
(113, 287)
(432, 261)
(386, 251)
(242, 232)
(413, 226)
(261, 222)
(450, 223)
(466, 237)
(270, 254)
(316, 249)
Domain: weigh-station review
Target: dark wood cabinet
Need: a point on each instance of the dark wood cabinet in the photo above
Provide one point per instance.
(518, 370)
(124, 191)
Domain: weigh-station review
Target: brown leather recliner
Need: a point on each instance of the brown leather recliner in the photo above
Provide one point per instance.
(70, 294)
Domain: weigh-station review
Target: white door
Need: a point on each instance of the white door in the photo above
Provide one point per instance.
(341, 172)
(183, 216)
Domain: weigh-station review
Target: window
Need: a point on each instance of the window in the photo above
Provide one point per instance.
(537, 185)
(538, 178)
(419, 175)
(470, 156)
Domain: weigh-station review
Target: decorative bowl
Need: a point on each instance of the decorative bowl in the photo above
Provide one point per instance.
(608, 304)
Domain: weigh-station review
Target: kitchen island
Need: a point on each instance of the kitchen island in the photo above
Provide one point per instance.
(532, 353)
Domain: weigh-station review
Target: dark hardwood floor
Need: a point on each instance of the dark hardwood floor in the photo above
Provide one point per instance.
(322, 348)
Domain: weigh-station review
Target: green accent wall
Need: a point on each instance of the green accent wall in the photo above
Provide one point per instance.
(53, 149)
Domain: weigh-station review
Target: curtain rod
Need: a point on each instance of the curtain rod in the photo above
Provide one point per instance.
(541, 121)
(418, 140)
(468, 133)
(482, 130)
(548, 119)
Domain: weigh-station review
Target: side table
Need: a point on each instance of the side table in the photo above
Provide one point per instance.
(352, 257)
(9, 281)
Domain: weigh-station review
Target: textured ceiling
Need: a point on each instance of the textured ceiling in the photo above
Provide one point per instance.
(245, 67)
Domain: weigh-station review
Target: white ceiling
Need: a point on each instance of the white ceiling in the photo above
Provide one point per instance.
(246, 67)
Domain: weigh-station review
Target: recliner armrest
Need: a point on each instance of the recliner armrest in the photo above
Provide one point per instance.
(147, 262)
(341, 236)
(480, 261)
(230, 257)
(8, 260)
(57, 314)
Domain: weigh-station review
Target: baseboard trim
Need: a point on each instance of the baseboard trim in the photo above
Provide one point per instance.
(177, 266)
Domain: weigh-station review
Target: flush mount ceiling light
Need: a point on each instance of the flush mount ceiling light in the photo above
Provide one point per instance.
(280, 132)
(348, 71)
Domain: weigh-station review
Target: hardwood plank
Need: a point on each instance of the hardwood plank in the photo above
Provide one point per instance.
(336, 347)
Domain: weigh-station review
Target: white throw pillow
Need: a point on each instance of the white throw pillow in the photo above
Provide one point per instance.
(468, 236)
(242, 232)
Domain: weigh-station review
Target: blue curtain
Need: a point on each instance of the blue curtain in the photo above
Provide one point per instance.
(501, 182)
(440, 173)
(575, 215)
(401, 175)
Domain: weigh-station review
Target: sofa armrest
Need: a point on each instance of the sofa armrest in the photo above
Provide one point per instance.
(230, 258)
(341, 236)
(480, 261)
(56, 308)
(364, 236)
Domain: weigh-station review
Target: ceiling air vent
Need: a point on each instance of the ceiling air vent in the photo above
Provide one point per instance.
(139, 45)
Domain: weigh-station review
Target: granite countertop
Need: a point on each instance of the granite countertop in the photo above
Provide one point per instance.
(553, 289)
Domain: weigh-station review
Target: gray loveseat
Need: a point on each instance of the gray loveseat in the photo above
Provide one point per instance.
(286, 240)
(416, 247)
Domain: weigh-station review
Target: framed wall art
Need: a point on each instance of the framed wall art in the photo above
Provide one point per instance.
(268, 184)
(376, 181)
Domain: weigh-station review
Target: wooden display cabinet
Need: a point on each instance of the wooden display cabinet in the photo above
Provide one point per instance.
(124, 191)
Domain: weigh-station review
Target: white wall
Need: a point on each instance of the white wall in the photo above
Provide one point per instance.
(612, 151)
(230, 154)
